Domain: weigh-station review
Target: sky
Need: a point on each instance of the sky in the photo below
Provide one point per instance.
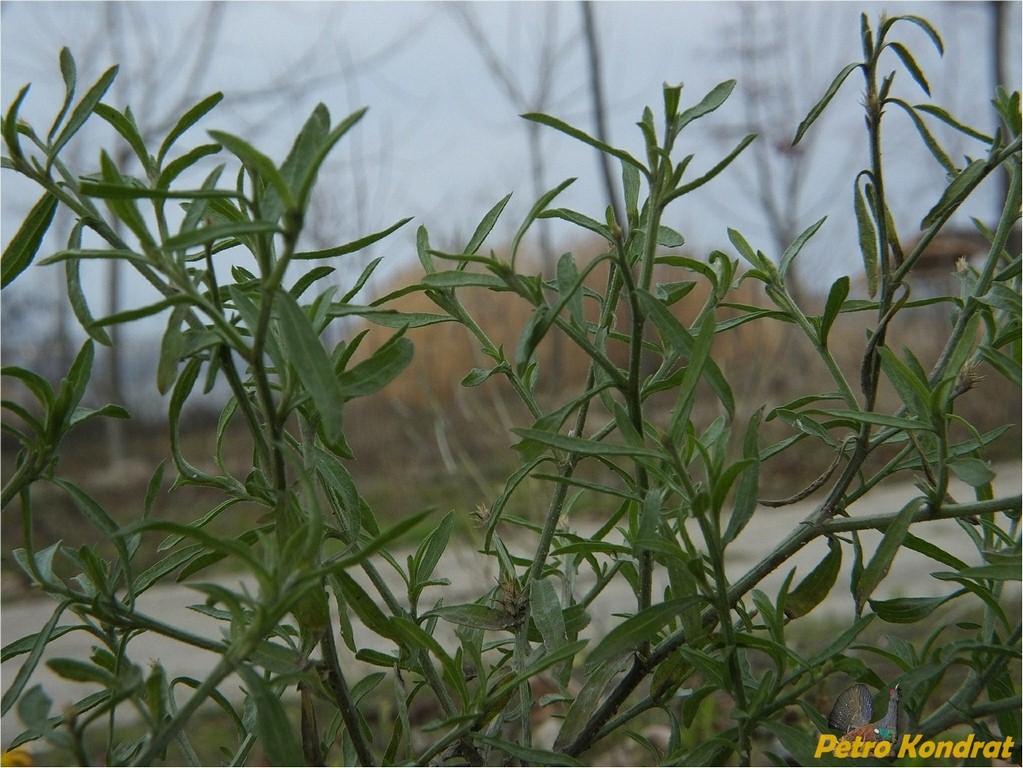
(442, 141)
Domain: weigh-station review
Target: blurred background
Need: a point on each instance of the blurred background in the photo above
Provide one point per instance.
(443, 142)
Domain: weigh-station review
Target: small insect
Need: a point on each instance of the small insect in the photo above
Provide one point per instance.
(852, 711)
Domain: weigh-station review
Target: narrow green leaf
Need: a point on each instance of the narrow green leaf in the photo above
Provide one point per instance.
(672, 330)
(795, 741)
(812, 590)
(125, 125)
(180, 164)
(718, 168)
(210, 235)
(637, 629)
(80, 305)
(423, 250)
(416, 638)
(390, 318)
(311, 363)
(378, 370)
(305, 281)
(171, 347)
(525, 755)
(881, 562)
(42, 639)
(998, 572)
(909, 610)
(89, 253)
(820, 106)
(186, 121)
(926, 26)
(485, 226)
(477, 376)
(360, 281)
(867, 238)
(1003, 363)
(364, 606)
(669, 238)
(745, 503)
(459, 279)
(797, 245)
(81, 672)
(957, 191)
(714, 99)
(71, 391)
(432, 549)
(10, 125)
(587, 700)
(630, 184)
(575, 133)
(870, 418)
(944, 116)
(68, 71)
(473, 615)
(836, 296)
(698, 352)
(583, 446)
(312, 166)
(82, 111)
(354, 246)
(124, 207)
(138, 313)
(545, 610)
(841, 642)
(755, 259)
(273, 728)
(931, 143)
(912, 389)
(90, 508)
(580, 220)
(911, 66)
(539, 206)
(932, 551)
(568, 287)
(22, 248)
(121, 191)
(255, 160)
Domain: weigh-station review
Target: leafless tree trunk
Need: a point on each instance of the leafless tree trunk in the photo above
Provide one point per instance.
(538, 99)
(780, 170)
(999, 13)
(161, 76)
(600, 108)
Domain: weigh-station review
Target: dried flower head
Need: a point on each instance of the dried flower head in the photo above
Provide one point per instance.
(967, 379)
(511, 599)
(480, 516)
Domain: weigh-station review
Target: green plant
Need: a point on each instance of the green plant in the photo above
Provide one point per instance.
(683, 491)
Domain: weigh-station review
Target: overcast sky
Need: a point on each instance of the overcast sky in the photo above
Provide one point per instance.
(442, 141)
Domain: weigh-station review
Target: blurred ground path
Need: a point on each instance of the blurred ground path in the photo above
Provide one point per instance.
(471, 575)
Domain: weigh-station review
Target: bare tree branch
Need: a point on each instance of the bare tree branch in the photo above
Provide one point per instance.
(599, 107)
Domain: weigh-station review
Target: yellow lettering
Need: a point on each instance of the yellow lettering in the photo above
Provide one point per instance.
(926, 749)
(909, 745)
(962, 747)
(1007, 748)
(843, 748)
(976, 748)
(825, 743)
(992, 749)
(944, 749)
(857, 747)
(883, 749)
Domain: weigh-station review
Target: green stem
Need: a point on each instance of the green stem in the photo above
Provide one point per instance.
(343, 698)
(164, 736)
(810, 529)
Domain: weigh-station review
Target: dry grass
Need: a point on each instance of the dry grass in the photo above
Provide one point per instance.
(426, 441)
